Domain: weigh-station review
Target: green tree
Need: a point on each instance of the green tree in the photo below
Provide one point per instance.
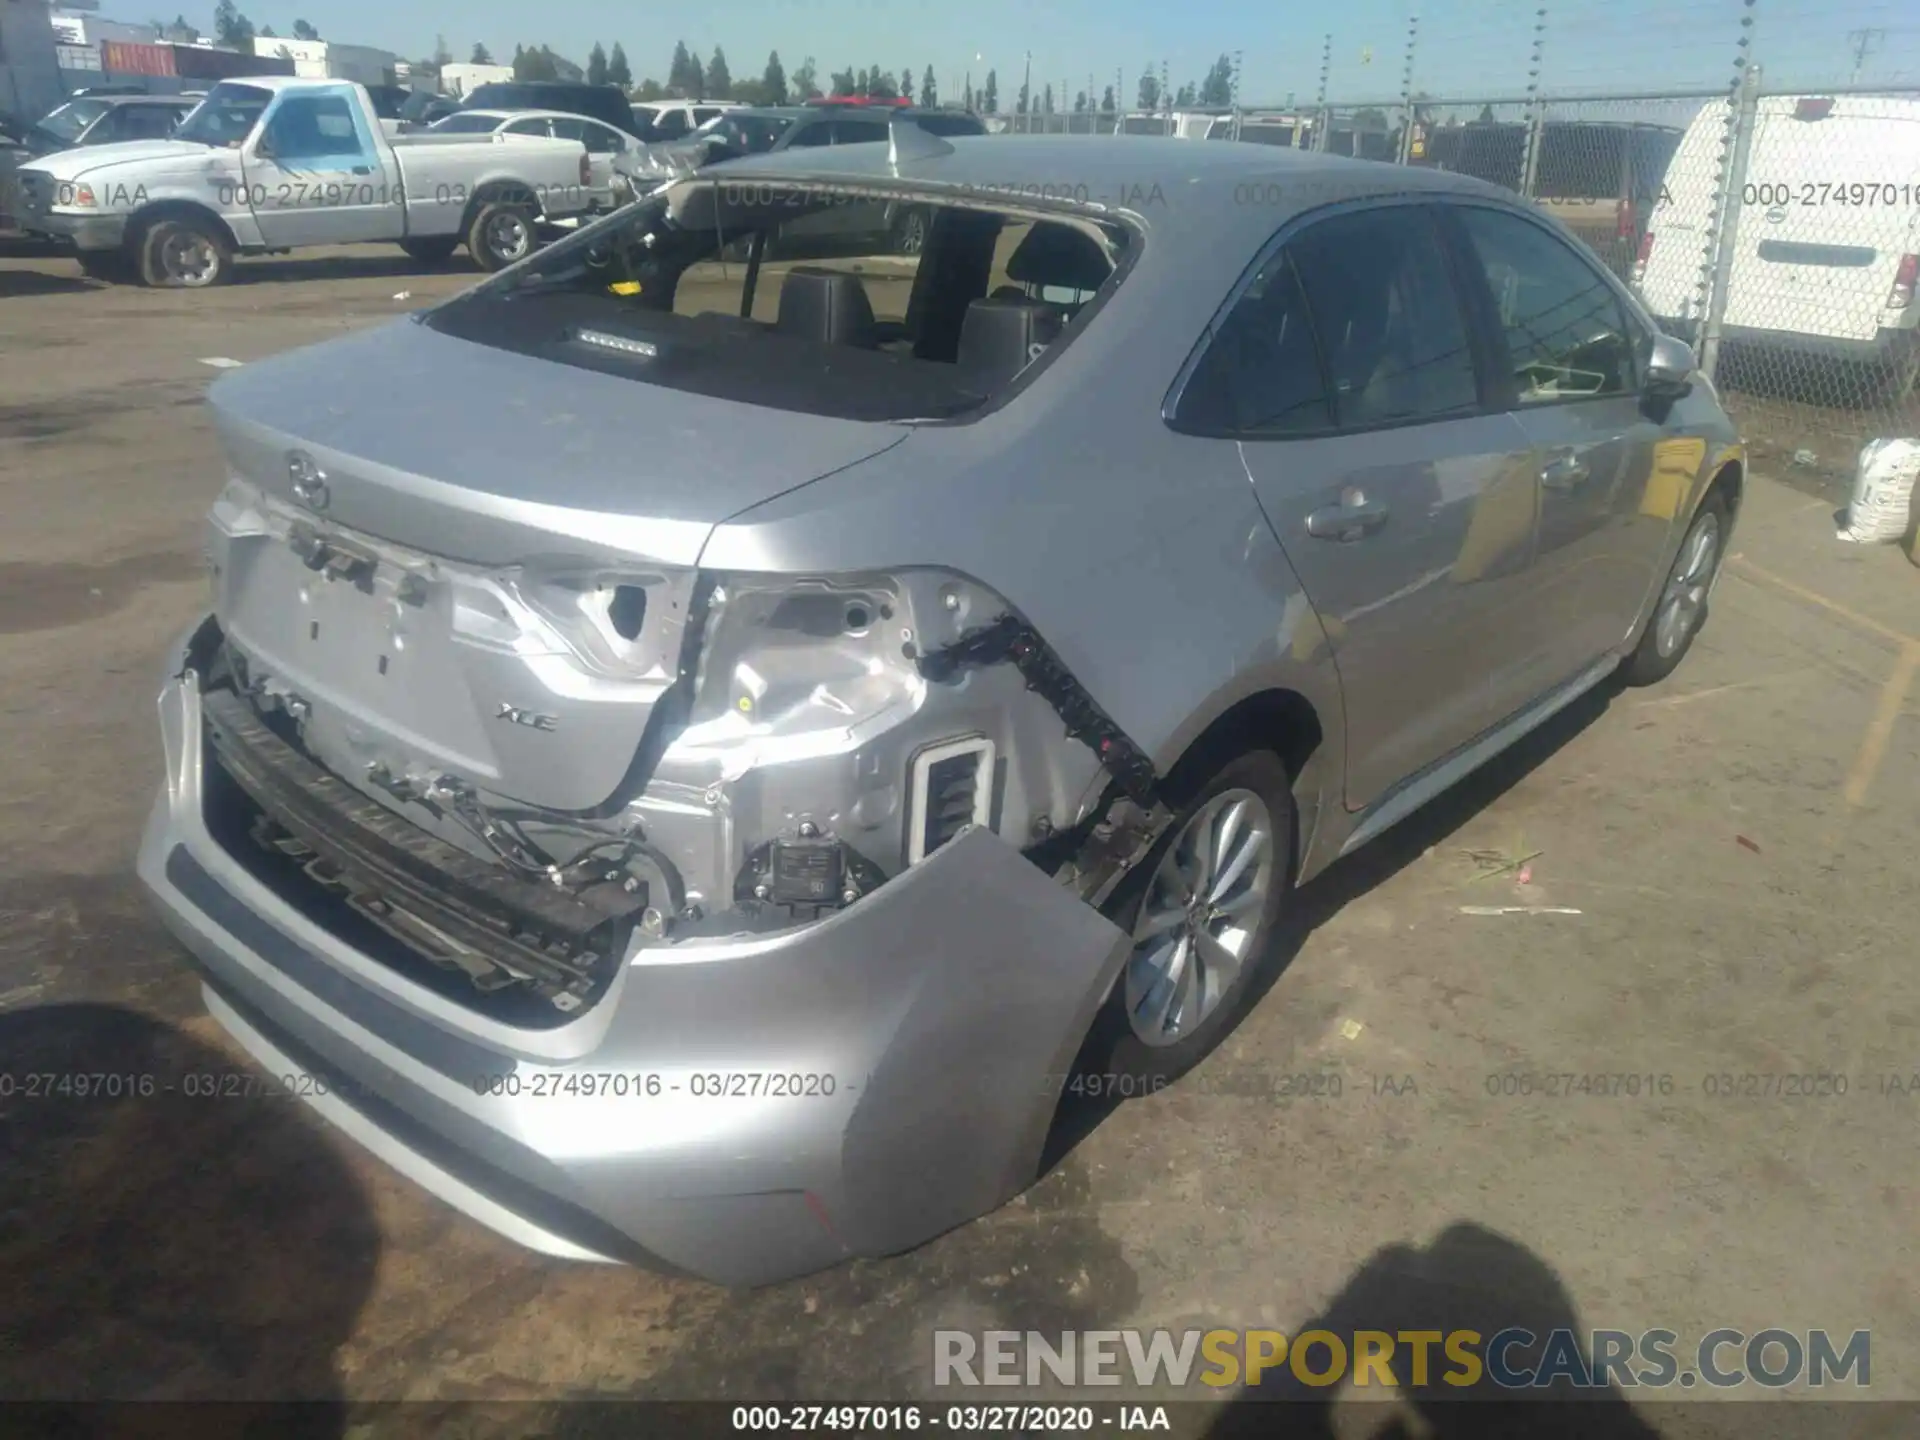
(1217, 88)
(442, 56)
(990, 94)
(773, 81)
(534, 64)
(303, 31)
(266, 33)
(880, 85)
(619, 72)
(1149, 96)
(844, 82)
(1106, 100)
(805, 84)
(1187, 94)
(1080, 103)
(231, 28)
(906, 82)
(481, 55)
(649, 89)
(719, 79)
(929, 92)
(597, 65)
(684, 76)
(1046, 102)
(1020, 100)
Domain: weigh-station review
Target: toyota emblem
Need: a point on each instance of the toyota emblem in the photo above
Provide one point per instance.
(308, 479)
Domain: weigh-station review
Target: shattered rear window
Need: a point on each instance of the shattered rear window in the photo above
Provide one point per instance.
(859, 306)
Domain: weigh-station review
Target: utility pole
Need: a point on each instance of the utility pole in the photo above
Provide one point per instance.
(1026, 92)
(1864, 43)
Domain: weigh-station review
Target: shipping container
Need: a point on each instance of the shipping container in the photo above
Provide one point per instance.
(124, 57)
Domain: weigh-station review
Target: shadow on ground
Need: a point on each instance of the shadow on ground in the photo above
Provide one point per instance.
(1469, 1278)
(164, 1234)
(1347, 880)
(41, 282)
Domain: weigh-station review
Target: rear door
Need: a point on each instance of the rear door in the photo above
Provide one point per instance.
(317, 173)
(1351, 376)
(1829, 210)
(1571, 349)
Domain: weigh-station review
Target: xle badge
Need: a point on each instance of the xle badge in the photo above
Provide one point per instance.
(528, 718)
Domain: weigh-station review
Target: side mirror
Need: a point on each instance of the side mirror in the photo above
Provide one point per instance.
(1670, 369)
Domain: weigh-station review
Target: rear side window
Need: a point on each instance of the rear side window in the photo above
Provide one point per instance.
(1566, 331)
(147, 122)
(1387, 317)
(1260, 375)
(950, 124)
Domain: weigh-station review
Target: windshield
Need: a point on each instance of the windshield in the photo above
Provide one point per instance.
(226, 117)
(67, 123)
(466, 124)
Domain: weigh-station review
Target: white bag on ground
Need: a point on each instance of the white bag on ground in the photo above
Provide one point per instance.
(1882, 508)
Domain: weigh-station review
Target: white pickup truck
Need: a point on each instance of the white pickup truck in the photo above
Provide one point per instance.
(271, 163)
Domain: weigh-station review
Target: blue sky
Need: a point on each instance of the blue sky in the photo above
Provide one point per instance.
(1465, 47)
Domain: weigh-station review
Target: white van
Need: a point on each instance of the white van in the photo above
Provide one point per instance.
(1828, 247)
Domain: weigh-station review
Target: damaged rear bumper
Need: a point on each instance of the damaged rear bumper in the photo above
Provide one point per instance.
(744, 1110)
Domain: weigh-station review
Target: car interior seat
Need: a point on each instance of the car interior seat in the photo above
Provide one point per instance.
(829, 307)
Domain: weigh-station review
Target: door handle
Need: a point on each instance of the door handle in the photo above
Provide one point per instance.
(1347, 521)
(1564, 473)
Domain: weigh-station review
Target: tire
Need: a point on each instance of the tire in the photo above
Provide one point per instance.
(910, 231)
(1680, 610)
(502, 232)
(114, 267)
(1125, 1053)
(431, 249)
(183, 254)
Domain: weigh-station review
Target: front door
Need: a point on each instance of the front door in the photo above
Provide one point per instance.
(318, 175)
(1406, 506)
(1607, 492)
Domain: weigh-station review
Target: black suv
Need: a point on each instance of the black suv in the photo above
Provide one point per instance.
(597, 102)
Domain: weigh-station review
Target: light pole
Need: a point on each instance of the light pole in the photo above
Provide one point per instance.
(1026, 94)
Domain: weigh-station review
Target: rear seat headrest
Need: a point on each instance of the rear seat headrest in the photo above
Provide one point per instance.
(828, 306)
(1000, 338)
(1055, 254)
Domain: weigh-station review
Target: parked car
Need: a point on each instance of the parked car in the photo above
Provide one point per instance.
(424, 109)
(658, 120)
(716, 849)
(1601, 179)
(105, 120)
(605, 103)
(805, 127)
(603, 143)
(1826, 256)
(276, 163)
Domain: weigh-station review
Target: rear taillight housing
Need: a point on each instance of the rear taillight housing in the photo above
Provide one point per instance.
(1901, 296)
(586, 170)
(1624, 220)
(1640, 259)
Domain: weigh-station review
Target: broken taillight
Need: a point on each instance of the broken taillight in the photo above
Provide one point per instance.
(1640, 259)
(1901, 296)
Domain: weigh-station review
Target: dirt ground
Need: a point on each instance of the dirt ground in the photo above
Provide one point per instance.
(1742, 846)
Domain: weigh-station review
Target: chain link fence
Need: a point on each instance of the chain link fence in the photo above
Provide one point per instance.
(1778, 233)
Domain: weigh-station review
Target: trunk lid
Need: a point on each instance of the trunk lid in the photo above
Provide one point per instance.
(463, 561)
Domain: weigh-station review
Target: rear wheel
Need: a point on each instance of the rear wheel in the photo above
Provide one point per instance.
(431, 249)
(187, 253)
(1681, 609)
(910, 232)
(1202, 911)
(502, 233)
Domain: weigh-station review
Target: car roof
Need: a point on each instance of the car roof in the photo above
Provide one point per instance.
(116, 100)
(1184, 195)
(490, 113)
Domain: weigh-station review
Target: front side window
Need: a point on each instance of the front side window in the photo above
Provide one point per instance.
(1566, 330)
(1387, 317)
(146, 122)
